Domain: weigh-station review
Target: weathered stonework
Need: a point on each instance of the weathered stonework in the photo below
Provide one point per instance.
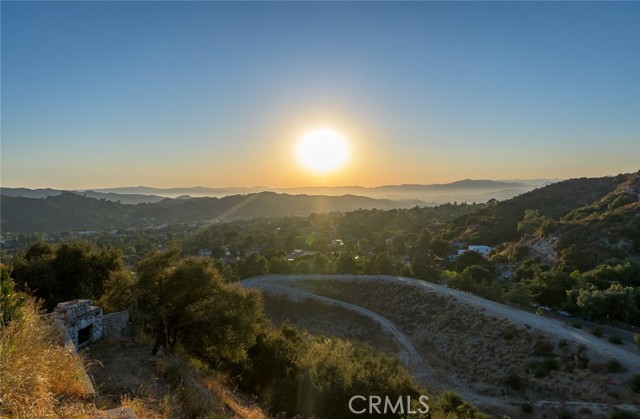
(84, 322)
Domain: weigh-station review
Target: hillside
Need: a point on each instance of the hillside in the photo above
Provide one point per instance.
(499, 223)
(67, 211)
(124, 198)
(70, 211)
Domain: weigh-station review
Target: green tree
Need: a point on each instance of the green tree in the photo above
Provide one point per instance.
(477, 273)
(469, 258)
(440, 248)
(40, 250)
(252, 265)
(347, 264)
(320, 264)
(118, 292)
(533, 223)
(530, 222)
(10, 300)
(519, 294)
(69, 271)
(616, 302)
(279, 265)
(550, 288)
(187, 300)
(381, 264)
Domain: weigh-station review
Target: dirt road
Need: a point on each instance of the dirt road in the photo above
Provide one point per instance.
(408, 354)
(626, 356)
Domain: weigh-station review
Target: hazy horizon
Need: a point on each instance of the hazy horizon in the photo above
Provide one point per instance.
(98, 95)
(270, 187)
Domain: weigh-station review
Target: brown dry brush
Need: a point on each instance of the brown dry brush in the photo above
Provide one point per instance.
(40, 378)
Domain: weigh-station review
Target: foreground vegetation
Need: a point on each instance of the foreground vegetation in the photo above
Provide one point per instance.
(185, 305)
(40, 378)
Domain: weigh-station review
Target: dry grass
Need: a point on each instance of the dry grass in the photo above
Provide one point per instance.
(163, 386)
(234, 403)
(40, 378)
(204, 392)
(475, 352)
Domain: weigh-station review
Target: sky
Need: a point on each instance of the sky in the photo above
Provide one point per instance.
(175, 94)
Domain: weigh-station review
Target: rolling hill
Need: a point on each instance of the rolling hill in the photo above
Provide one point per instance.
(598, 218)
(72, 211)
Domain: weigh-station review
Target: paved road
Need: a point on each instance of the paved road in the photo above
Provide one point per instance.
(625, 355)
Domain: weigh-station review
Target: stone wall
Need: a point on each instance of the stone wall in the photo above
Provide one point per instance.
(84, 322)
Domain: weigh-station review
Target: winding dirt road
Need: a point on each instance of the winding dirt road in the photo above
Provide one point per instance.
(408, 354)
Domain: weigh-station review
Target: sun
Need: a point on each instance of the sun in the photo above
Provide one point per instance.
(322, 150)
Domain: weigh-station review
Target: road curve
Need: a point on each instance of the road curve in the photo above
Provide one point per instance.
(627, 357)
(408, 354)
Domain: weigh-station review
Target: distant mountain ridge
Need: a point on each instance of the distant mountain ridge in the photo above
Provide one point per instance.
(70, 211)
(463, 190)
(109, 196)
(325, 190)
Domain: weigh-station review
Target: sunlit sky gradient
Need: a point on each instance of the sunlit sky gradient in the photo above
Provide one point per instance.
(98, 94)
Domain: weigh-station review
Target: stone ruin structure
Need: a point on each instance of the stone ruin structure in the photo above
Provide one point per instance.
(84, 322)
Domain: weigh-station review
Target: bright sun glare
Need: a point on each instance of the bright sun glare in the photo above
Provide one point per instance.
(322, 150)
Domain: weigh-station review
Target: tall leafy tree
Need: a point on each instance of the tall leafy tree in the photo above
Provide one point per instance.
(187, 300)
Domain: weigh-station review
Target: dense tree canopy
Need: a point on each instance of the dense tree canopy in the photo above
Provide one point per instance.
(188, 300)
(67, 271)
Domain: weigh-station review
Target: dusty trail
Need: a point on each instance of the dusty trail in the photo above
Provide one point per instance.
(408, 355)
(421, 370)
(556, 328)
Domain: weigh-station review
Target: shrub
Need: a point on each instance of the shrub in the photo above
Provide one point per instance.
(514, 381)
(623, 414)
(563, 344)
(563, 414)
(451, 402)
(637, 339)
(542, 369)
(542, 348)
(597, 332)
(613, 366)
(329, 371)
(614, 395)
(635, 383)
(10, 300)
(526, 407)
(616, 340)
(576, 325)
(507, 334)
(550, 364)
